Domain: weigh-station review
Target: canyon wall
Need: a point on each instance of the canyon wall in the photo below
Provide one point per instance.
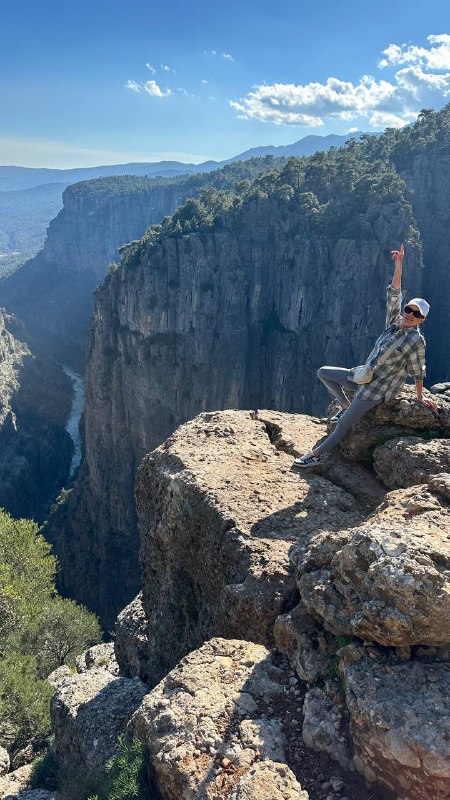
(35, 449)
(52, 293)
(429, 183)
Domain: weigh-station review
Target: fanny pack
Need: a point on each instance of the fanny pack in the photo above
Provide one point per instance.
(365, 372)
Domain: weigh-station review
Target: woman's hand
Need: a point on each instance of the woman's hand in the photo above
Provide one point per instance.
(428, 403)
(398, 255)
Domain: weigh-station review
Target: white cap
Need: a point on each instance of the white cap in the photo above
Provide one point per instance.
(421, 304)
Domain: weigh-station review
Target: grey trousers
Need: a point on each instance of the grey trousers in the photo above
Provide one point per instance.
(336, 380)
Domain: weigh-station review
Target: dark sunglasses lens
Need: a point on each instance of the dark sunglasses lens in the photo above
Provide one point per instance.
(409, 310)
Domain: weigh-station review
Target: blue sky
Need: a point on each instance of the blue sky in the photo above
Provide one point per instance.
(85, 83)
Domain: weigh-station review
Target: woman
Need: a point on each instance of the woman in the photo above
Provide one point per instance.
(405, 358)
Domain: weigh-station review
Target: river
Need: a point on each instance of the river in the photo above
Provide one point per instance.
(73, 422)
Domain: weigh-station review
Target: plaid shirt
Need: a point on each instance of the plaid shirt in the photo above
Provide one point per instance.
(407, 359)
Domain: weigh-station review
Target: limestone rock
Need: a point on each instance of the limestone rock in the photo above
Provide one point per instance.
(306, 644)
(268, 780)
(208, 724)
(441, 388)
(426, 505)
(324, 727)
(290, 434)
(410, 460)
(400, 723)
(440, 485)
(89, 713)
(4, 761)
(400, 417)
(99, 656)
(15, 783)
(60, 675)
(131, 640)
(29, 794)
(219, 509)
(388, 580)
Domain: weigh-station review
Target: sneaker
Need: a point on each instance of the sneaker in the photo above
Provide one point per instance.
(336, 417)
(307, 461)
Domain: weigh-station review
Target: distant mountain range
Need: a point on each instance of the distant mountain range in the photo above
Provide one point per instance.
(30, 197)
(13, 178)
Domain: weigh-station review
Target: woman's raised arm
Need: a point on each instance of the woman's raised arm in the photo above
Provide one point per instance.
(397, 255)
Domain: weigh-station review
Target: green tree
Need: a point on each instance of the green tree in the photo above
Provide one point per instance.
(24, 701)
(38, 630)
(58, 634)
(27, 571)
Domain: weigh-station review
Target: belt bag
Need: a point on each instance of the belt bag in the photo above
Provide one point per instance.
(364, 373)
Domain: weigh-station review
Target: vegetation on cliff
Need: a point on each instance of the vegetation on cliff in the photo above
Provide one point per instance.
(224, 178)
(127, 775)
(331, 193)
(39, 631)
(430, 133)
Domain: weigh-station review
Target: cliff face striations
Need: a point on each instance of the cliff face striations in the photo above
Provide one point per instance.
(239, 319)
(52, 293)
(35, 449)
(430, 186)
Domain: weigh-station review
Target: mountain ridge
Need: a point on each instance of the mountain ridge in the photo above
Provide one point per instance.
(304, 146)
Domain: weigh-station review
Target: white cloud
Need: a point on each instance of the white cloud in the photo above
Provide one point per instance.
(155, 91)
(151, 68)
(183, 91)
(165, 68)
(382, 119)
(353, 130)
(135, 87)
(435, 56)
(396, 102)
(307, 105)
(204, 82)
(210, 52)
(416, 81)
(228, 56)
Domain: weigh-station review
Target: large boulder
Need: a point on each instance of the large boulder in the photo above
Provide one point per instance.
(214, 726)
(400, 723)
(131, 640)
(89, 712)
(410, 460)
(388, 580)
(400, 417)
(219, 508)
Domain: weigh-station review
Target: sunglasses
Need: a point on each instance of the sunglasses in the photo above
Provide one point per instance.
(409, 310)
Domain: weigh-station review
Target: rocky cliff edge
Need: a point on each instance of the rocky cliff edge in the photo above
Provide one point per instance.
(297, 623)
